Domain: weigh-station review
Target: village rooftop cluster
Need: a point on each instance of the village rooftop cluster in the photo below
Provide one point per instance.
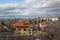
(38, 28)
(27, 26)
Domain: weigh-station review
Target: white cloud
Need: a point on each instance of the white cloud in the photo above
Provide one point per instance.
(29, 1)
(30, 8)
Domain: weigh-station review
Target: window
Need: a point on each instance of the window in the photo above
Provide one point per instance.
(24, 29)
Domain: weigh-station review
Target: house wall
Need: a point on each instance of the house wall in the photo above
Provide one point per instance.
(22, 31)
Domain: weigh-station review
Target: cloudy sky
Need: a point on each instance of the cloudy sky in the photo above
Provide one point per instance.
(29, 8)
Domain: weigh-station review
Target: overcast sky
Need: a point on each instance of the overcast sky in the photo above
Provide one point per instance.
(29, 8)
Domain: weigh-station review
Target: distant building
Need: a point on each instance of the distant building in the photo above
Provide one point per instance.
(22, 28)
(49, 19)
(54, 19)
(43, 24)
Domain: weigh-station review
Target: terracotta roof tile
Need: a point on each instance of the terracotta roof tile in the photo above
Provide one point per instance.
(22, 25)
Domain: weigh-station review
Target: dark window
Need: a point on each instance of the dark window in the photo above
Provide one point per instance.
(24, 29)
(19, 29)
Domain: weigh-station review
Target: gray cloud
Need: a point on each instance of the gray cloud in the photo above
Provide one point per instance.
(31, 8)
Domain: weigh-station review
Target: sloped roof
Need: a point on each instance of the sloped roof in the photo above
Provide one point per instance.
(22, 25)
(44, 24)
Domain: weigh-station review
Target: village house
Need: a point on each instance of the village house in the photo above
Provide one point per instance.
(43, 25)
(54, 19)
(22, 28)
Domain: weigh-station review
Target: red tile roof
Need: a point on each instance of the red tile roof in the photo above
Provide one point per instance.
(44, 24)
(22, 25)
